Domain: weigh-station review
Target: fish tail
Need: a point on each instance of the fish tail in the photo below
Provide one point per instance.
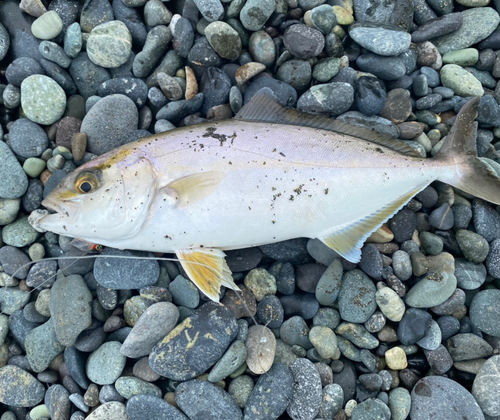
(472, 175)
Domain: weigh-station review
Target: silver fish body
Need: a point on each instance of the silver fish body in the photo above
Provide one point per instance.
(202, 189)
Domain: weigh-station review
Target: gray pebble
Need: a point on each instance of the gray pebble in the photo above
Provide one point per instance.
(19, 388)
(105, 365)
(307, 393)
(42, 346)
(255, 13)
(356, 297)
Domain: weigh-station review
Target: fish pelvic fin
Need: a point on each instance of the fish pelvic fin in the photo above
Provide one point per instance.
(472, 175)
(348, 240)
(207, 269)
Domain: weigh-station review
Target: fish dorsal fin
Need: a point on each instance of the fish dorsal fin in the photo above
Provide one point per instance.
(190, 189)
(207, 269)
(348, 240)
(264, 107)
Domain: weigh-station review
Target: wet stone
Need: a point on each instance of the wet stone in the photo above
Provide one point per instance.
(370, 36)
(134, 88)
(385, 68)
(328, 286)
(485, 387)
(486, 220)
(442, 218)
(469, 275)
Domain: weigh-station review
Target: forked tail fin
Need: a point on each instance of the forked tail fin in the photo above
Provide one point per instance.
(472, 175)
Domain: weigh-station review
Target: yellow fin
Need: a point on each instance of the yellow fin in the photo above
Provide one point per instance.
(348, 240)
(193, 188)
(207, 269)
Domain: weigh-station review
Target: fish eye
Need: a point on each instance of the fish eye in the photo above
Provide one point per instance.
(86, 182)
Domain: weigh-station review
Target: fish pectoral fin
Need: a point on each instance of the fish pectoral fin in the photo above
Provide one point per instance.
(348, 240)
(192, 188)
(207, 269)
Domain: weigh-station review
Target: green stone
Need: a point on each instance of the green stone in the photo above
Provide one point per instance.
(36, 252)
(474, 246)
(432, 290)
(8, 210)
(461, 81)
(262, 48)
(39, 412)
(478, 23)
(109, 44)
(73, 40)
(128, 387)
(19, 233)
(34, 166)
(326, 68)
(224, 40)
(431, 243)
(42, 99)
(12, 299)
(465, 57)
(47, 26)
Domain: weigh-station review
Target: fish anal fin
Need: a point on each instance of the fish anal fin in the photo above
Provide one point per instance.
(190, 189)
(207, 269)
(265, 107)
(348, 240)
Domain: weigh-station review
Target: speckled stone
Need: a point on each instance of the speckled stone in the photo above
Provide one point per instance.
(432, 290)
(203, 399)
(356, 297)
(189, 360)
(150, 407)
(461, 81)
(42, 99)
(434, 397)
(105, 365)
(112, 410)
(307, 392)
(109, 44)
(42, 346)
(19, 388)
(129, 386)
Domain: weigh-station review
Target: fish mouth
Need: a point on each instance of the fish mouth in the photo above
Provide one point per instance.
(66, 208)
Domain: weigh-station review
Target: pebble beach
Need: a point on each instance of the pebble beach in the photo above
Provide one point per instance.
(410, 332)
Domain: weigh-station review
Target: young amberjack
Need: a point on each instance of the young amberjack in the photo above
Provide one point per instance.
(270, 174)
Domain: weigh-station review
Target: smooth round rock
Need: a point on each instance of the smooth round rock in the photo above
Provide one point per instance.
(224, 40)
(70, 308)
(432, 290)
(261, 349)
(328, 286)
(129, 386)
(201, 398)
(109, 44)
(371, 408)
(190, 360)
(47, 26)
(112, 410)
(414, 325)
(307, 392)
(255, 13)
(486, 387)
(324, 341)
(328, 99)
(382, 39)
(484, 311)
(232, 359)
(42, 99)
(391, 305)
(42, 346)
(19, 233)
(461, 81)
(271, 394)
(474, 246)
(356, 297)
(105, 365)
(19, 388)
(441, 398)
(149, 407)
(303, 41)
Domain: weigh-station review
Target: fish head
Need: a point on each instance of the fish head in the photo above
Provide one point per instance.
(107, 199)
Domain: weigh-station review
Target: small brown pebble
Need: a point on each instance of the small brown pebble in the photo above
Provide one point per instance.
(388, 248)
(23, 286)
(170, 398)
(78, 145)
(247, 71)
(241, 304)
(191, 84)
(143, 371)
(44, 176)
(219, 113)
(382, 235)
(34, 8)
(113, 323)
(66, 128)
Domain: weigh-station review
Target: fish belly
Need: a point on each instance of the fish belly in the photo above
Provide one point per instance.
(280, 182)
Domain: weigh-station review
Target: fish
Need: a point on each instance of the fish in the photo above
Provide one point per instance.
(270, 174)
